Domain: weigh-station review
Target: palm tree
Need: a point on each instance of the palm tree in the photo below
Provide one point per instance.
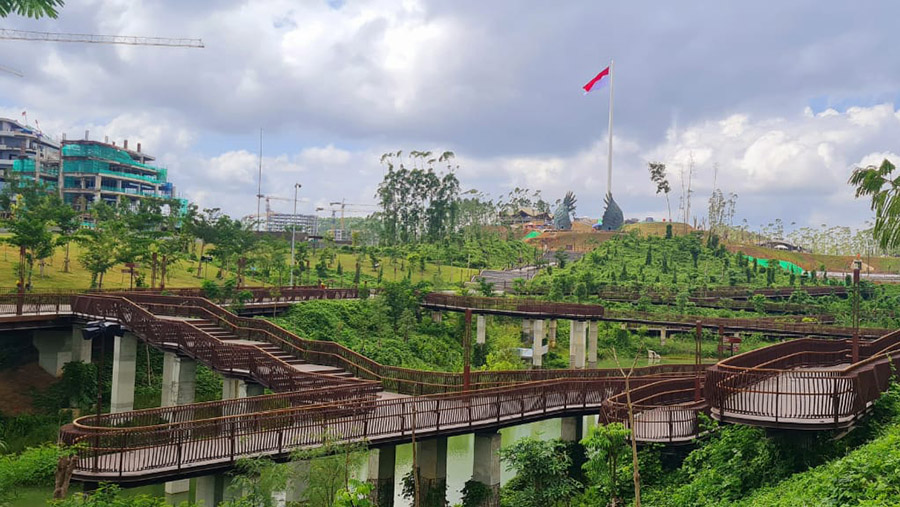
(875, 182)
(30, 8)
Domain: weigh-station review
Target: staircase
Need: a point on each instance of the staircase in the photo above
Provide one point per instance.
(225, 335)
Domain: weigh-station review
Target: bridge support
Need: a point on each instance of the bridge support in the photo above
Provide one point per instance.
(576, 344)
(537, 343)
(236, 388)
(486, 467)
(526, 328)
(551, 332)
(436, 316)
(212, 489)
(592, 344)
(431, 456)
(124, 362)
(663, 334)
(54, 349)
(571, 429)
(382, 462)
(179, 380)
(480, 329)
(81, 348)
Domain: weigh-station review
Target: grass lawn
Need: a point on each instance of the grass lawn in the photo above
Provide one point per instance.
(79, 278)
(448, 274)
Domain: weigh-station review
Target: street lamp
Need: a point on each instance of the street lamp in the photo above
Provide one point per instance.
(294, 231)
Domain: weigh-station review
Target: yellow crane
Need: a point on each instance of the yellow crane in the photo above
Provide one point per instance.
(352, 207)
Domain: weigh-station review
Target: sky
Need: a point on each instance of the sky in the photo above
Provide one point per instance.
(773, 101)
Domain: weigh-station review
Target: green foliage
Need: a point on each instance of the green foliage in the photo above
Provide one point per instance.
(110, 495)
(329, 475)
(542, 474)
(355, 495)
(607, 449)
(475, 494)
(35, 466)
(77, 388)
(253, 482)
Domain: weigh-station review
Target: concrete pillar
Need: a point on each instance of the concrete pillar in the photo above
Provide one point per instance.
(431, 456)
(211, 489)
(480, 329)
(124, 359)
(382, 462)
(592, 344)
(179, 380)
(526, 328)
(537, 343)
(486, 466)
(571, 429)
(436, 316)
(576, 344)
(54, 349)
(298, 480)
(81, 348)
(237, 388)
(662, 337)
(552, 332)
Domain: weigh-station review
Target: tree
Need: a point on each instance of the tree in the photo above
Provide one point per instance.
(658, 176)
(884, 193)
(30, 8)
(68, 221)
(102, 244)
(203, 227)
(254, 482)
(542, 473)
(30, 214)
(606, 448)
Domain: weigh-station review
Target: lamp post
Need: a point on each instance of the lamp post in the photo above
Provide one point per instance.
(857, 264)
(294, 231)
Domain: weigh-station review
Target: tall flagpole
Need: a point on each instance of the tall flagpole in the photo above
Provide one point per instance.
(610, 152)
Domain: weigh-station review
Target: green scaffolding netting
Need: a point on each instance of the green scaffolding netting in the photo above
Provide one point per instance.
(790, 267)
(106, 153)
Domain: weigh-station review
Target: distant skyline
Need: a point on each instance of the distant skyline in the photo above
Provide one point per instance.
(784, 98)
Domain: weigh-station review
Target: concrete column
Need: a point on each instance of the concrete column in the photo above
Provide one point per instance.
(211, 489)
(662, 337)
(179, 380)
(537, 343)
(382, 462)
(576, 344)
(571, 429)
(552, 332)
(592, 344)
(431, 456)
(81, 348)
(436, 316)
(54, 349)
(486, 466)
(124, 359)
(236, 388)
(526, 328)
(480, 329)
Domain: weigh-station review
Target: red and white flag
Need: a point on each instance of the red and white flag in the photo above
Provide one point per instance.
(597, 82)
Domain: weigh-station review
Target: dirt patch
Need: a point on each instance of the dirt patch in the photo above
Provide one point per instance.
(16, 385)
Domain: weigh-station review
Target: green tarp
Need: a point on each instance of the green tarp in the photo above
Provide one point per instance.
(533, 234)
(790, 267)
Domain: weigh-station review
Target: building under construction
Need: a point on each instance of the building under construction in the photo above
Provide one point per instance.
(86, 172)
(37, 154)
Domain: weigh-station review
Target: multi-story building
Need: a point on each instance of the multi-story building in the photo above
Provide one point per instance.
(93, 171)
(29, 152)
(278, 222)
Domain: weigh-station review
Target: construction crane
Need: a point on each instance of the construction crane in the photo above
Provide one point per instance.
(353, 207)
(128, 40)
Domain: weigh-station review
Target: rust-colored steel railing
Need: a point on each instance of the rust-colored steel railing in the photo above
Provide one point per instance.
(222, 408)
(35, 304)
(224, 357)
(664, 411)
(802, 383)
(174, 447)
(402, 380)
(514, 306)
